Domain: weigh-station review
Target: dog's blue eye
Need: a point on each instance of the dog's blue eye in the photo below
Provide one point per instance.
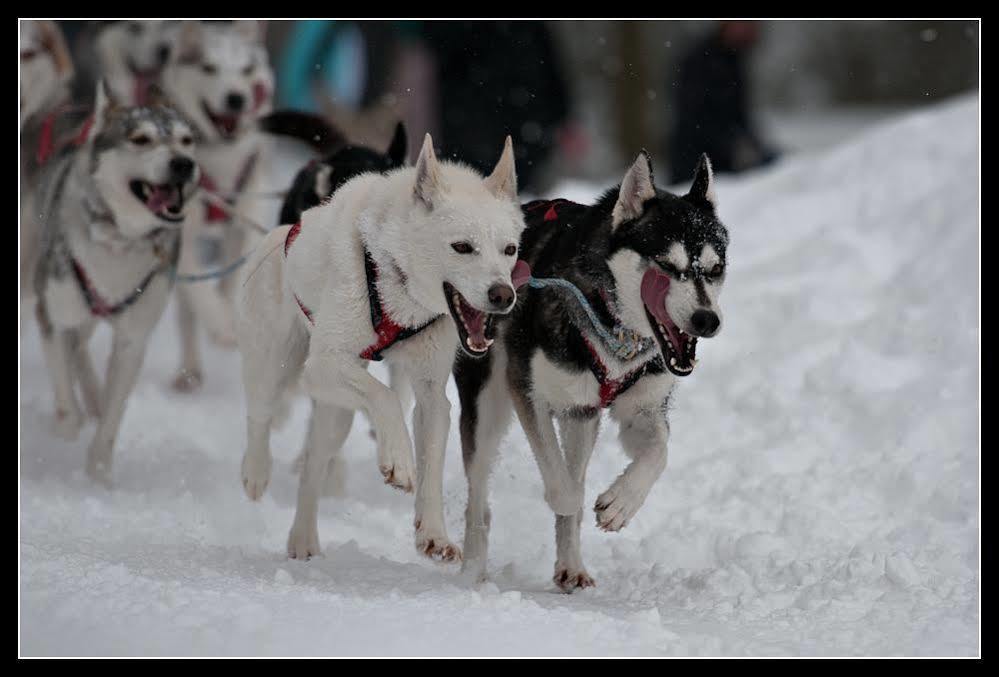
(462, 247)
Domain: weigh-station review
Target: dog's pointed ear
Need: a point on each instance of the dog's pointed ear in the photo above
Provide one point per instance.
(252, 30)
(104, 104)
(702, 191)
(54, 41)
(636, 187)
(428, 174)
(397, 149)
(189, 42)
(503, 181)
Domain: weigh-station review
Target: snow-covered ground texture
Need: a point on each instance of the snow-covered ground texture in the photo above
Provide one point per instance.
(821, 496)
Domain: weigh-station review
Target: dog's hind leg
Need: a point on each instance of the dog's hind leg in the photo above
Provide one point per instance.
(189, 375)
(328, 429)
(578, 437)
(90, 387)
(644, 436)
(562, 494)
(485, 418)
(127, 353)
(431, 420)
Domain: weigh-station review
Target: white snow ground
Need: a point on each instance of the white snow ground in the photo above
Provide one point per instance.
(821, 498)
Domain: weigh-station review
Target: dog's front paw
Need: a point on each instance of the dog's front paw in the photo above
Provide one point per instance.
(256, 474)
(99, 466)
(303, 542)
(565, 502)
(67, 424)
(569, 579)
(616, 506)
(435, 545)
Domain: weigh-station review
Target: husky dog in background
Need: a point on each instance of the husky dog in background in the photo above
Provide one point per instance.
(317, 181)
(46, 74)
(111, 211)
(651, 265)
(128, 55)
(220, 79)
(377, 269)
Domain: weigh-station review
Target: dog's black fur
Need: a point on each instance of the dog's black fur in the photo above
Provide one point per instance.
(319, 179)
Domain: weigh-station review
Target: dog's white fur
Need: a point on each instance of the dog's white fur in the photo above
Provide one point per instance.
(210, 62)
(116, 256)
(407, 221)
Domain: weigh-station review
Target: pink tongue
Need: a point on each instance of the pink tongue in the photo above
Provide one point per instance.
(228, 123)
(521, 274)
(260, 95)
(161, 197)
(655, 286)
(141, 86)
(475, 321)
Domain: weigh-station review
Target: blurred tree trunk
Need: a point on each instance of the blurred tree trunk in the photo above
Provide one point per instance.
(631, 89)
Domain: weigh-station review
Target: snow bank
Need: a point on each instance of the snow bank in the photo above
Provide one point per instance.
(821, 497)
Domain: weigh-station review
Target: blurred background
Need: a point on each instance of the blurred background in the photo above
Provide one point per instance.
(582, 96)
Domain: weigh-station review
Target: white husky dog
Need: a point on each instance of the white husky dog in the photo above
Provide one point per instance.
(128, 55)
(219, 77)
(377, 268)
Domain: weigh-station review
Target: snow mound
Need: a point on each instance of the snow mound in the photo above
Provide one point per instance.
(821, 498)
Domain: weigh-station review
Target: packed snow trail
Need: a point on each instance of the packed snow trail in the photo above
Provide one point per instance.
(821, 495)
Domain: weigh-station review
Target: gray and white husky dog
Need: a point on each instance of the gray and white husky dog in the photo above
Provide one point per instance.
(111, 212)
(407, 265)
(650, 264)
(46, 73)
(220, 78)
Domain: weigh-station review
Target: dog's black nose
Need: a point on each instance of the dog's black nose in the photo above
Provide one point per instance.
(705, 322)
(163, 53)
(181, 169)
(235, 101)
(501, 296)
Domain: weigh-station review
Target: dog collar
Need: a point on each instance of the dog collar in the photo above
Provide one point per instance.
(388, 331)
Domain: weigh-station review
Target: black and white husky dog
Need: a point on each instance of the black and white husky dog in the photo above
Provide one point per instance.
(650, 266)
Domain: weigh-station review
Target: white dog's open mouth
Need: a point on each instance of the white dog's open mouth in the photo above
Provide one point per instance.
(678, 347)
(226, 124)
(475, 328)
(165, 200)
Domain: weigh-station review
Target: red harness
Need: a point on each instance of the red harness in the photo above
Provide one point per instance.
(214, 213)
(47, 146)
(388, 331)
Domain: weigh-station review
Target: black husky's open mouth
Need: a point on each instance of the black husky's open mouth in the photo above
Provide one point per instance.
(476, 328)
(164, 200)
(678, 347)
(226, 124)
